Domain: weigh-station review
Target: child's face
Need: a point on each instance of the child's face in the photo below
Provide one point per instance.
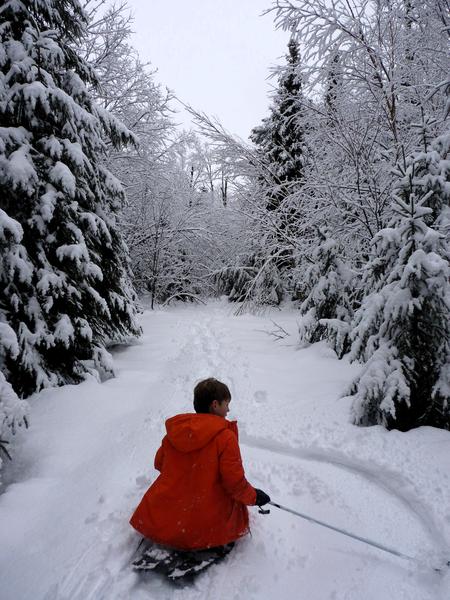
(221, 409)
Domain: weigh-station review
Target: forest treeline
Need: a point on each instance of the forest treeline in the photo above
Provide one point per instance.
(338, 203)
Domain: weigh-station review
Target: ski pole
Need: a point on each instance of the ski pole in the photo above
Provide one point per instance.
(352, 535)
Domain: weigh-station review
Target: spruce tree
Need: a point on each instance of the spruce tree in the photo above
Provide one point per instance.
(66, 293)
(256, 283)
(13, 263)
(280, 137)
(279, 142)
(328, 306)
(334, 86)
(402, 329)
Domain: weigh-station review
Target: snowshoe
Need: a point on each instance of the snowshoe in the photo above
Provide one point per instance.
(178, 565)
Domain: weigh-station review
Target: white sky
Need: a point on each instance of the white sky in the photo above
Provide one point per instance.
(214, 54)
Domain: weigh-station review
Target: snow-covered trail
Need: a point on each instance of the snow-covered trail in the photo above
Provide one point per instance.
(87, 460)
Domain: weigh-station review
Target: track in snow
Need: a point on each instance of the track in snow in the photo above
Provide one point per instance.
(276, 401)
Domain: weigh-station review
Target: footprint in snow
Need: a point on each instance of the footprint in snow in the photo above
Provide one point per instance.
(260, 396)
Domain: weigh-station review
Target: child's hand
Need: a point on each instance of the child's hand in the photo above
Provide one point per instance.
(261, 498)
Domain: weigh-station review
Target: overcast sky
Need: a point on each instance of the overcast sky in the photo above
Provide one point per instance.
(214, 54)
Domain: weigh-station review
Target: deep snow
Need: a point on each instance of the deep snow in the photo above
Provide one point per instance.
(87, 459)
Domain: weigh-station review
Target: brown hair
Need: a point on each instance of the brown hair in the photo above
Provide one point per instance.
(208, 390)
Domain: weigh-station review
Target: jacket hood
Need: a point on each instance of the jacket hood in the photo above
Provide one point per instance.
(192, 431)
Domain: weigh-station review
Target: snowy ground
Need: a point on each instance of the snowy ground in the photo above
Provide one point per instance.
(87, 459)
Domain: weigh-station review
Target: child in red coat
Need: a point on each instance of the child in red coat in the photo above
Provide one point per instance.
(200, 498)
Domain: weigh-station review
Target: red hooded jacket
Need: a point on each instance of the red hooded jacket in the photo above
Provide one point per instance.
(198, 500)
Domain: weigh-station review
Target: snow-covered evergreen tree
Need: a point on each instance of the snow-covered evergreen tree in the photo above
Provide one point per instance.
(280, 137)
(67, 293)
(333, 85)
(278, 163)
(13, 266)
(254, 280)
(328, 306)
(13, 415)
(376, 62)
(402, 329)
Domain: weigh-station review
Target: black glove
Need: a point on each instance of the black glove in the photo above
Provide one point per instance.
(261, 498)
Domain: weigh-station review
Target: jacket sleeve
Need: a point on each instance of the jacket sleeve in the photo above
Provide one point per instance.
(159, 458)
(232, 472)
